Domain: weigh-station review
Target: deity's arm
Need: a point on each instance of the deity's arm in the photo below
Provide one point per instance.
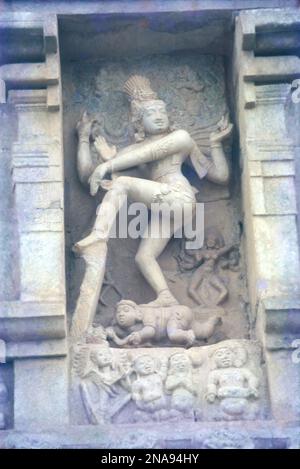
(218, 171)
(215, 169)
(85, 165)
(176, 142)
(105, 151)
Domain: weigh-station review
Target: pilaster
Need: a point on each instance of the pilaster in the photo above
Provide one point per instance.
(263, 88)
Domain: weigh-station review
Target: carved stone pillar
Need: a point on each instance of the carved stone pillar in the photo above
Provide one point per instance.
(34, 324)
(269, 200)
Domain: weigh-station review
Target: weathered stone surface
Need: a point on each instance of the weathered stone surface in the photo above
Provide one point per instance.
(218, 382)
(270, 205)
(216, 354)
(32, 317)
(194, 102)
(35, 380)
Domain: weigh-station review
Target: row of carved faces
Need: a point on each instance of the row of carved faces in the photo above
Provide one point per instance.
(162, 389)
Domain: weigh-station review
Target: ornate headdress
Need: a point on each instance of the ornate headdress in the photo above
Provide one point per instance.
(138, 88)
(139, 92)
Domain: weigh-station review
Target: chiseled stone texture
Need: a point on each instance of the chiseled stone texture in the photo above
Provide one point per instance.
(195, 101)
(231, 378)
(224, 381)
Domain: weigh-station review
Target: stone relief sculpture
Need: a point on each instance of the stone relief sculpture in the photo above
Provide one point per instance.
(144, 364)
(180, 384)
(206, 287)
(231, 384)
(163, 150)
(165, 384)
(156, 388)
(176, 322)
(147, 389)
(145, 383)
(104, 384)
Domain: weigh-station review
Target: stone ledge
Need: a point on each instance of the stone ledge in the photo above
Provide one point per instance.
(30, 321)
(19, 309)
(259, 434)
(273, 69)
(34, 349)
(282, 322)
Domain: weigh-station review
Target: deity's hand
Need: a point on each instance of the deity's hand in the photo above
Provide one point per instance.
(106, 151)
(223, 131)
(98, 175)
(84, 126)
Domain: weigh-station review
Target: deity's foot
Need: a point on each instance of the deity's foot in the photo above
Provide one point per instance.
(92, 239)
(164, 298)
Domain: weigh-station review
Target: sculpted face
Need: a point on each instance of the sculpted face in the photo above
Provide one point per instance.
(103, 358)
(155, 118)
(126, 315)
(145, 365)
(224, 357)
(180, 362)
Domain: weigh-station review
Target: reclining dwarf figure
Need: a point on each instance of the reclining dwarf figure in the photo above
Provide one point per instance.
(176, 322)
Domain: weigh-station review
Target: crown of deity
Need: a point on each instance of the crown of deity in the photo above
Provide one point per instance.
(138, 88)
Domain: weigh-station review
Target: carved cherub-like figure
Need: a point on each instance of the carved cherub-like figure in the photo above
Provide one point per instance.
(147, 390)
(163, 151)
(231, 383)
(206, 277)
(104, 385)
(173, 322)
(180, 385)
